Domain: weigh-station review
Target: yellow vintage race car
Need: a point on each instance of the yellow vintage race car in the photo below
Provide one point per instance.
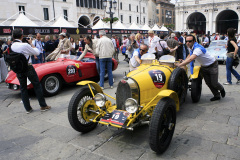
(152, 93)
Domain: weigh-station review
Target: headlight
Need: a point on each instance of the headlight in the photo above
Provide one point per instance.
(15, 87)
(100, 99)
(131, 105)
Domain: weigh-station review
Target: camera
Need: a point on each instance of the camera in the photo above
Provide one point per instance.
(25, 39)
(134, 41)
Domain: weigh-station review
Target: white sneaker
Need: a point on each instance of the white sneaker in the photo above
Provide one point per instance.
(227, 83)
(29, 111)
(111, 87)
(102, 88)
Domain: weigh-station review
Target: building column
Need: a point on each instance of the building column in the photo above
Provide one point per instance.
(182, 27)
(239, 26)
(210, 21)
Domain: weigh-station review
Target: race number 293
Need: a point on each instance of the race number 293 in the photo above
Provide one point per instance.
(71, 70)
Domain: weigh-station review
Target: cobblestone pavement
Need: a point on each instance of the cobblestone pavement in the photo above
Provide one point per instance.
(204, 131)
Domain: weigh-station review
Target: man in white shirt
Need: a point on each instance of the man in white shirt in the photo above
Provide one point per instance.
(209, 66)
(105, 50)
(152, 41)
(206, 41)
(38, 44)
(135, 61)
(28, 50)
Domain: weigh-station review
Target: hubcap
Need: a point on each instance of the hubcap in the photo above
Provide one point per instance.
(52, 84)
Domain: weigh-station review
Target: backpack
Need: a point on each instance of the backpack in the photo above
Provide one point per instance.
(17, 62)
(165, 51)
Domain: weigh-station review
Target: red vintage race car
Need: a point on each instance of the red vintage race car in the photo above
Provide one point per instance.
(66, 69)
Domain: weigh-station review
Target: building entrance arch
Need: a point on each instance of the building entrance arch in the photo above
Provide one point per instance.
(84, 21)
(197, 22)
(226, 19)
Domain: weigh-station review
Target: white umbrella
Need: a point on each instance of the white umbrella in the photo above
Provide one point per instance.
(61, 22)
(22, 20)
(163, 28)
(100, 25)
(134, 27)
(156, 28)
(146, 27)
(119, 25)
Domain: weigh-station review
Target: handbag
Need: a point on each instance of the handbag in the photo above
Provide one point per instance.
(235, 62)
(165, 51)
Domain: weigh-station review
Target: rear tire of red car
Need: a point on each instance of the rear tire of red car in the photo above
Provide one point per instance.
(51, 85)
(75, 111)
(178, 82)
(162, 125)
(196, 89)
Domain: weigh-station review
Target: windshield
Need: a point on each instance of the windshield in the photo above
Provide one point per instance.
(218, 44)
(73, 57)
(167, 58)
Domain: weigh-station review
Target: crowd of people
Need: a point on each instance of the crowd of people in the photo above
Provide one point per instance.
(185, 48)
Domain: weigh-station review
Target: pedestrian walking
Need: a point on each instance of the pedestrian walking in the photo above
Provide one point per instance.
(232, 50)
(27, 50)
(105, 50)
(209, 66)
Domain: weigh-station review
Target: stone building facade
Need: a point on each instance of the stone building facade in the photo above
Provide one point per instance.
(208, 16)
(165, 11)
(82, 13)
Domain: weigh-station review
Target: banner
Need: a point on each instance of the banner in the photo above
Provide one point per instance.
(41, 30)
(76, 30)
(6, 30)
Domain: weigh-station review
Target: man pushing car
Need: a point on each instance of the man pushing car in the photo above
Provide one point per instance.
(209, 66)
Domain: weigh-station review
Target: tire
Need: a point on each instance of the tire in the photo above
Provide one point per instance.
(196, 89)
(75, 106)
(178, 82)
(163, 122)
(51, 84)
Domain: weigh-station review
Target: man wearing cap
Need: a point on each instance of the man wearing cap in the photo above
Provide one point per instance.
(64, 47)
(152, 41)
(64, 44)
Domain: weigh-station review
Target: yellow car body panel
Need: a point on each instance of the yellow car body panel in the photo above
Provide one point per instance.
(145, 80)
(196, 71)
(95, 85)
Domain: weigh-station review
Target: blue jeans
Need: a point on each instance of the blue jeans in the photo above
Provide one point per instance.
(39, 60)
(230, 70)
(106, 63)
(98, 65)
(32, 76)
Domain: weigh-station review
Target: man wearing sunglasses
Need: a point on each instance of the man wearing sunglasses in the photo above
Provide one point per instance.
(209, 66)
(135, 61)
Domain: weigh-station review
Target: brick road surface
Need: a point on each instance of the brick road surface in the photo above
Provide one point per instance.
(204, 131)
